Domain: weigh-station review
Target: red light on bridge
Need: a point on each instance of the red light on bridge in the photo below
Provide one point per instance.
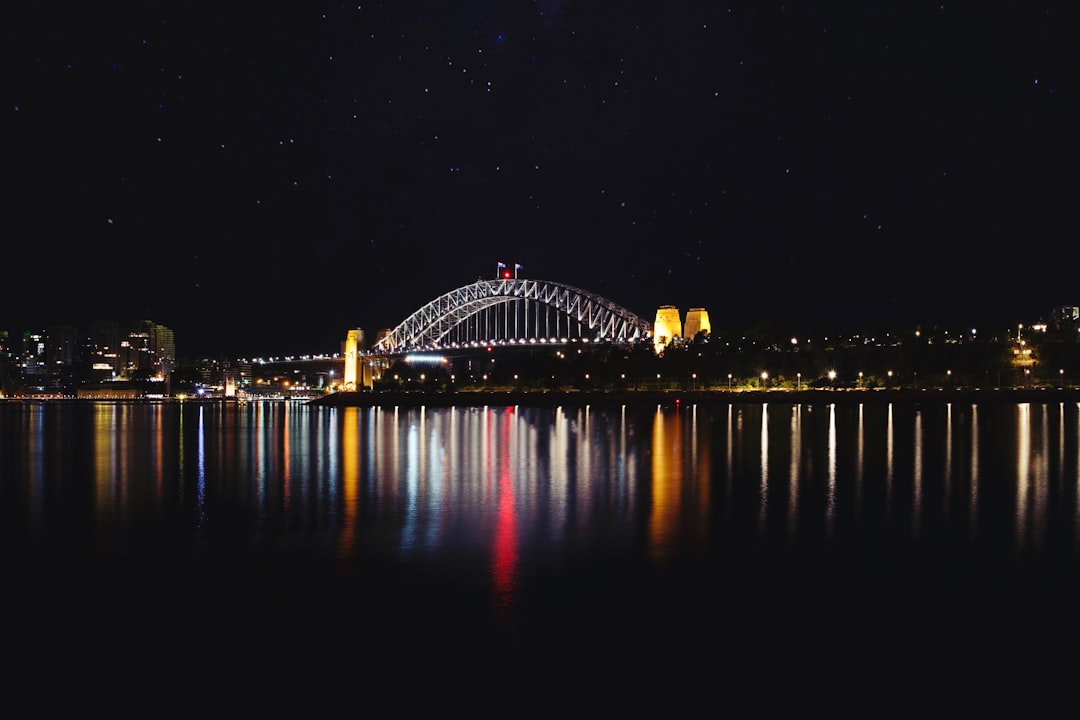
(506, 275)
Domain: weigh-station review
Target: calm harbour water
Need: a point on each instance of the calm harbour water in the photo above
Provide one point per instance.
(539, 561)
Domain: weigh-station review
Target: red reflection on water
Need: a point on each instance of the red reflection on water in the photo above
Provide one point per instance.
(505, 550)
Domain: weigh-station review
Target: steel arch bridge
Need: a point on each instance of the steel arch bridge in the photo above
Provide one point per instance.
(510, 311)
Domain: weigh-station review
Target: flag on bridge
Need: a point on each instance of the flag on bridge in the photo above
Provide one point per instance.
(516, 268)
(502, 272)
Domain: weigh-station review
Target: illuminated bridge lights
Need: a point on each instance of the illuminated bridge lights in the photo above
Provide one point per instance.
(418, 359)
(509, 312)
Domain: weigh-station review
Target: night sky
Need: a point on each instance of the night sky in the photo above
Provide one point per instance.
(263, 177)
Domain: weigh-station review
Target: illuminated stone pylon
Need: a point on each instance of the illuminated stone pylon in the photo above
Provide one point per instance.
(697, 321)
(667, 327)
(353, 341)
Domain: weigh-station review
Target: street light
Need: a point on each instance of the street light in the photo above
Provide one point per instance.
(764, 379)
(832, 376)
(798, 381)
(729, 382)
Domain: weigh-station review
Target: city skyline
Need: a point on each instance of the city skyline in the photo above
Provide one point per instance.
(291, 174)
(668, 317)
(123, 348)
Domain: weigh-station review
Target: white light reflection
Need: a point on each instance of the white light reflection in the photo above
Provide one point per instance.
(621, 463)
(889, 463)
(262, 437)
(796, 463)
(860, 442)
(200, 468)
(1061, 447)
(583, 503)
(973, 493)
(730, 459)
(1041, 469)
(395, 451)
(917, 477)
(413, 472)
(180, 444)
(948, 458)
(35, 435)
(1076, 493)
(558, 456)
(762, 516)
(830, 500)
(437, 475)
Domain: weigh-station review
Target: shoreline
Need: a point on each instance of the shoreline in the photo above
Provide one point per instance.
(691, 397)
(611, 398)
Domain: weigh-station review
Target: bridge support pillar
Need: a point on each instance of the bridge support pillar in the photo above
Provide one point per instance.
(353, 341)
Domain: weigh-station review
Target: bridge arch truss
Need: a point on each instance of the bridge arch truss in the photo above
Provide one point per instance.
(517, 310)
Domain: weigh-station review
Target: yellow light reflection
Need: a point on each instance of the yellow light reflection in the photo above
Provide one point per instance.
(350, 480)
(666, 483)
(1023, 472)
(701, 459)
(105, 462)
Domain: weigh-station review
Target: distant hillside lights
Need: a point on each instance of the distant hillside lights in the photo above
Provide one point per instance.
(668, 326)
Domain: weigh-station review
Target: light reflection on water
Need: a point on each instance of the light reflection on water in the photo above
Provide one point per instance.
(564, 479)
(505, 514)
